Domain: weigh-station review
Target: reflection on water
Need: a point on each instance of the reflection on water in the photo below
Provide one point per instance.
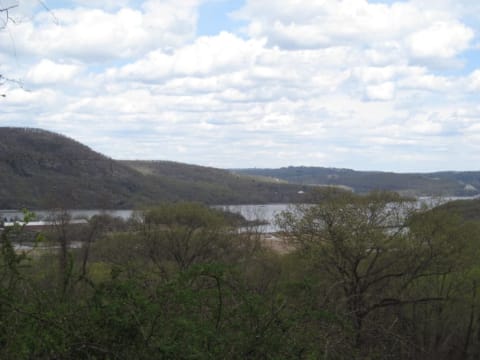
(264, 213)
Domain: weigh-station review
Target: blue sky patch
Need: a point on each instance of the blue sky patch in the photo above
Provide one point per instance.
(214, 17)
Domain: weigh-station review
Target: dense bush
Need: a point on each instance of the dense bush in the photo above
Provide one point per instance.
(369, 278)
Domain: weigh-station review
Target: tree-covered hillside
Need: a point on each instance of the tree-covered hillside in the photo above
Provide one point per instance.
(466, 209)
(428, 184)
(211, 185)
(41, 169)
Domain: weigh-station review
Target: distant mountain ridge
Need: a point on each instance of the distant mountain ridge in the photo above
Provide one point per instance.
(41, 169)
(446, 183)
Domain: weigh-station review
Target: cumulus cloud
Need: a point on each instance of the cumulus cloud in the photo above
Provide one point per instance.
(384, 91)
(405, 30)
(206, 56)
(474, 81)
(96, 34)
(303, 23)
(347, 83)
(440, 40)
(49, 72)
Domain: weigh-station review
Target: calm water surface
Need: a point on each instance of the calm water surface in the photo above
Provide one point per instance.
(265, 213)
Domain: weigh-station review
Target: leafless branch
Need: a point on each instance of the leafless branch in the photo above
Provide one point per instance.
(6, 15)
(47, 9)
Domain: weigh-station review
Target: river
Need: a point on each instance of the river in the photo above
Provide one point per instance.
(264, 213)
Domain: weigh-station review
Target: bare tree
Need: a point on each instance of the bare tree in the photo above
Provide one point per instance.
(370, 253)
(5, 19)
(60, 220)
(6, 15)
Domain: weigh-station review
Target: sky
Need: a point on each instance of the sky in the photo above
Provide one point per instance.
(369, 85)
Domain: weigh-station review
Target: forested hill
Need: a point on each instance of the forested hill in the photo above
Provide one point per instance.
(216, 186)
(466, 209)
(418, 184)
(41, 169)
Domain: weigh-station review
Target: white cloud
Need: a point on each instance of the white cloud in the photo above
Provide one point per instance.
(424, 126)
(49, 72)
(440, 40)
(346, 83)
(474, 81)
(375, 74)
(19, 101)
(206, 56)
(94, 35)
(301, 23)
(384, 91)
(402, 32)
(422, 80)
